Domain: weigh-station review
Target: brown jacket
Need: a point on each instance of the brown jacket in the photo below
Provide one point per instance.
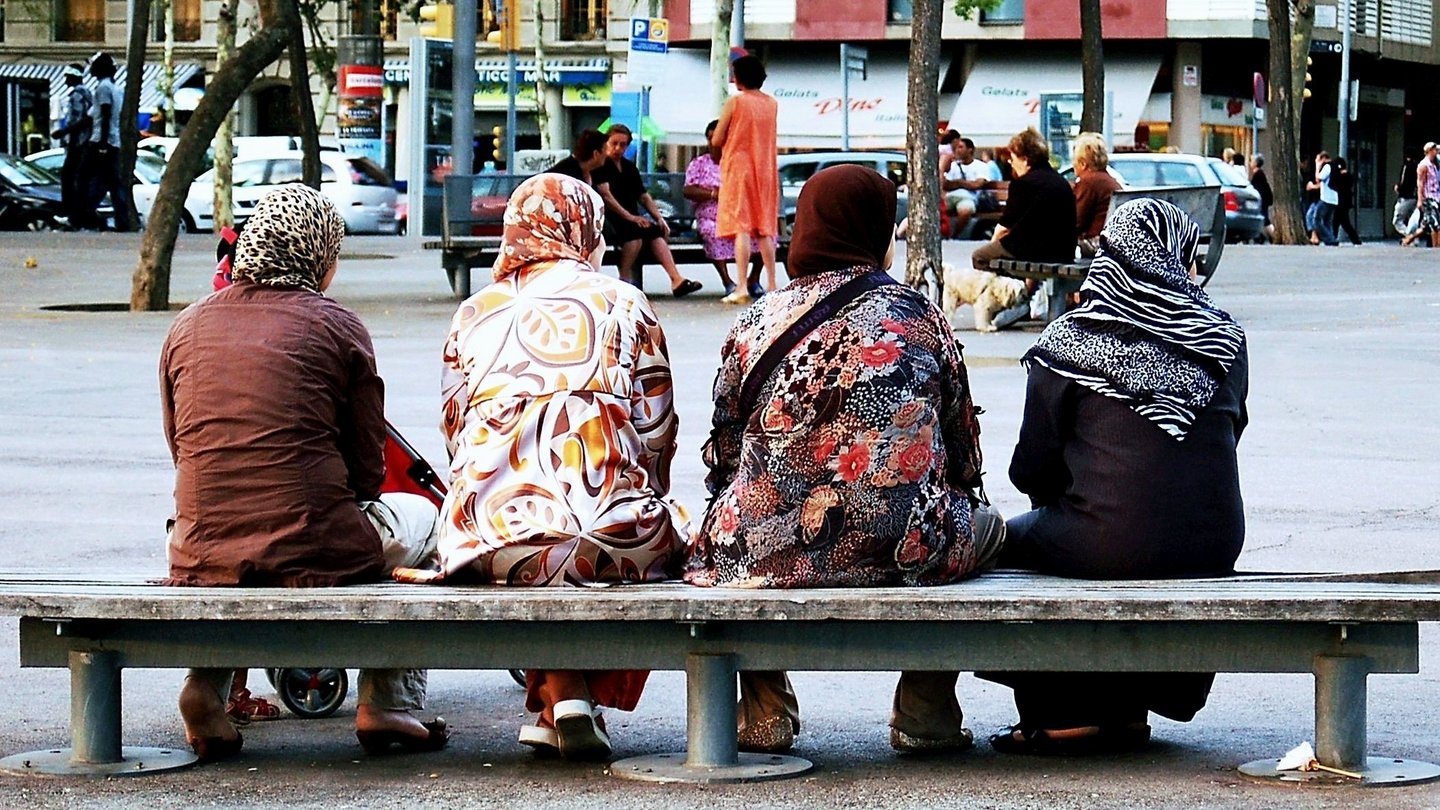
(1092, 202)
(274, 414)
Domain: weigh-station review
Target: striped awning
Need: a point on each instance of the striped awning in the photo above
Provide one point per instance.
(151, 97)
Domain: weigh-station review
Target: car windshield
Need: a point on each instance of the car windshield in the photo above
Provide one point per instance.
(20, 173)
(1230, 174)
(149, 168)
(364, 172)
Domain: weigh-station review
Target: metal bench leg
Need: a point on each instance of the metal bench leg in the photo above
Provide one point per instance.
(95, 730)
(710, 726)
(1340, 736)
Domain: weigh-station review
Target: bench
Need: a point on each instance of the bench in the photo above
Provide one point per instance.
(1339, 628)
(982, 224)
(474, 212)
(1205, 204)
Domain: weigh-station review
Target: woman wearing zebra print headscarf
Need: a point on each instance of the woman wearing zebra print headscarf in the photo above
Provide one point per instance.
(1134, 407)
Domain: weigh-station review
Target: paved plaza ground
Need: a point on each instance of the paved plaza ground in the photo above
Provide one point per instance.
(1340, 470)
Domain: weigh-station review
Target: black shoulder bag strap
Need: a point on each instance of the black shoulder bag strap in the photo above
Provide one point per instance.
(823, 311)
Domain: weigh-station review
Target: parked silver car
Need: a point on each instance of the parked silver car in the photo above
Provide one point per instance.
(798, 167)
(1244, 217)
(361, 190)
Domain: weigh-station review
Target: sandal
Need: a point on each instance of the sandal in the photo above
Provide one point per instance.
(243, 708)
(581, 734)
(910, 744)
(1021, 739)
(380, 742)
(686, 287)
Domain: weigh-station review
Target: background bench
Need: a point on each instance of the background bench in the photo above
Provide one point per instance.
(474, 212)
(1205, 204)
(1341, 629)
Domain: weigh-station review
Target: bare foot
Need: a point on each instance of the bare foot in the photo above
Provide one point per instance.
(203, 712)
(371, 718)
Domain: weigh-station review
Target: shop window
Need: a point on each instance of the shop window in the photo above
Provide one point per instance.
(582, 19)
(79, 20)
(1007, 12)
(900, 11)
(187, 21)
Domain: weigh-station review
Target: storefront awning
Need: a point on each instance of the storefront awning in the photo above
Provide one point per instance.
(151, 96)
(495, 70)
(1002, 92)
(808, 89)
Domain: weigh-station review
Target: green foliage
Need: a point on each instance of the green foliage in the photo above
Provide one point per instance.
(965, 9)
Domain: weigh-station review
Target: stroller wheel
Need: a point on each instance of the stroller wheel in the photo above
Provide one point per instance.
(310, 692)
(518, 676)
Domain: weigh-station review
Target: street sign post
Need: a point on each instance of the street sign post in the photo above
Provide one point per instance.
(649, 43)
(853, 59)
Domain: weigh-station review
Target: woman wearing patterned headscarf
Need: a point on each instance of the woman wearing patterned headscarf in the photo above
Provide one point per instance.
(559, 420)
(853, 459)
(273, 411)
(1135, 404)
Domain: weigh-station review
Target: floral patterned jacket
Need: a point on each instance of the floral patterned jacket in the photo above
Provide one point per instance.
(858, 466)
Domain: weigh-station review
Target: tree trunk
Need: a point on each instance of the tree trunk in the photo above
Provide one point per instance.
(150, 286)
(1092, 67)
(720, 56)
(1303, 22)
(1284, 163)
(167, 76)
(922, 240)
(224, 134)
(300, 96)
(130, 104)
(542, 87)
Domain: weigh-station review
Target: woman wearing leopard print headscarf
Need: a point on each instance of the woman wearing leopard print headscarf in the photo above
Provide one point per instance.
(273, 411)
(1134, 408)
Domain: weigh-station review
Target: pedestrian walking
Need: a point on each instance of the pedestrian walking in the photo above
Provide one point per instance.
(1343, 182)
(103, 157)
(1261, 182)
(1427, 187)
(749, 180)
(1405, 200)
(74, 136)
(1322, 219)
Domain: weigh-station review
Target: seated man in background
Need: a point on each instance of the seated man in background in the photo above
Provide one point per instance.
(964, 185)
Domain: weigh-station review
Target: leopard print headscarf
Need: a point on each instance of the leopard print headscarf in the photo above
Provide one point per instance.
(291, 240)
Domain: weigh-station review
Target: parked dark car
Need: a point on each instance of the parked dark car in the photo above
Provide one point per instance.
(29, 197)
(1244, 219)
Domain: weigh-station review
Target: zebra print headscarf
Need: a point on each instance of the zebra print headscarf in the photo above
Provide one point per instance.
(1145, 333)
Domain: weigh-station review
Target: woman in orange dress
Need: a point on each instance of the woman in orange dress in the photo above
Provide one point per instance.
(749, 177)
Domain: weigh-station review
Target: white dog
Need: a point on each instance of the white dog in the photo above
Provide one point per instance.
(987, 292)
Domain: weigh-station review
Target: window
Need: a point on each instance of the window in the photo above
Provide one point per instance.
(187, 20)
(900, 11)
(364, 172)
(1009, 11)
(793, 174)
(2, 20)
(582, 20)
(79, 20)
(245, 173)
(1180, 174)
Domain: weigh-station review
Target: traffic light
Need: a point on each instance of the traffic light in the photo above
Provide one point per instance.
(509, 24)
(1304, 94)
(437, 21)
(499, 143)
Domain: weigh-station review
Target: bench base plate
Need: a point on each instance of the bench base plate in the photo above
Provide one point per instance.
(1378, 772)
(672, 768)
(134, 761)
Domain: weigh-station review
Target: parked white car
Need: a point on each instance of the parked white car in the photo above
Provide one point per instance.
(148, 170)
(360, 189)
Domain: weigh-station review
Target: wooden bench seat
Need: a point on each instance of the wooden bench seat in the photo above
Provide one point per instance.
(1340, 629)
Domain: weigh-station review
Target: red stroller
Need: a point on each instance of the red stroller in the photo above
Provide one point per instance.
(312, 692)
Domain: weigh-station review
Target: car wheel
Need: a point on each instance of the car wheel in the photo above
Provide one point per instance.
(40, 223)
(187, 225)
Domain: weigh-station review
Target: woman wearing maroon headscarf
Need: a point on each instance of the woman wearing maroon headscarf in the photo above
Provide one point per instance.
(860, 448)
